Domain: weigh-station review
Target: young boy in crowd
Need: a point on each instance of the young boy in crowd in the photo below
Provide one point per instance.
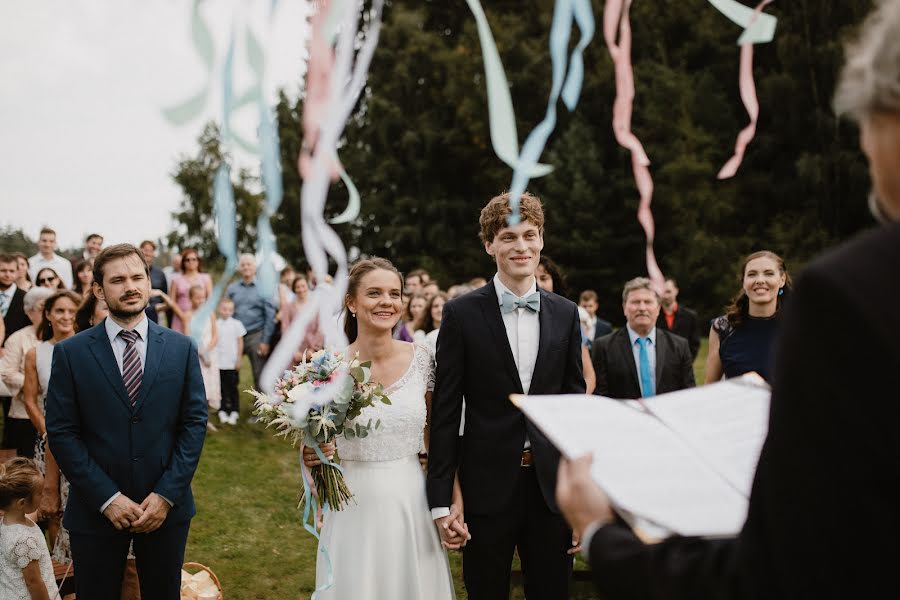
(229, 351)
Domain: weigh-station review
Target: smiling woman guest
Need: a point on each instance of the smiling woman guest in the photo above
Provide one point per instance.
(57, 323)
(741, 340)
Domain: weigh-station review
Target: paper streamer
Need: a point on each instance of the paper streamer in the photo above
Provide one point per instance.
(191, 108)
(501, 115)
(616, 20)
(758, 28)
(334, 83)
(748, 94)
(564, 13)
(224, 208)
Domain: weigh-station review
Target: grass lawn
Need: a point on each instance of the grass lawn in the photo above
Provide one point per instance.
(247, 528)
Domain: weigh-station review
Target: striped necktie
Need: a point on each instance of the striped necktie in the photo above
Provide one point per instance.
(132, 373)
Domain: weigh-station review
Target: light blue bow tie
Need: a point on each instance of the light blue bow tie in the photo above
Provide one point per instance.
(511, 302)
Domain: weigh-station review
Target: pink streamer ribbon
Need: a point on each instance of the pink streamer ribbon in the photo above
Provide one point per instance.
(751, 103)
(616, 20)
(318, 89)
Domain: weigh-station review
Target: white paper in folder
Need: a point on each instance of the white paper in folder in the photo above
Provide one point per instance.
(682, 461)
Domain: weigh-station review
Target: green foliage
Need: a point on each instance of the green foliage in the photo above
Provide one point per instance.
(15, 240)
(419, 150)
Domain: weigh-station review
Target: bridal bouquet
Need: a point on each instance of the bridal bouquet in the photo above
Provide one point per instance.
(313, 403)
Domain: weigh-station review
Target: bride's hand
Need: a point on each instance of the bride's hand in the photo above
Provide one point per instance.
(310, 459)
(453, 530)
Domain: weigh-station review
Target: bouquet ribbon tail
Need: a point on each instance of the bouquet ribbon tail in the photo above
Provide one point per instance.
(311, 505)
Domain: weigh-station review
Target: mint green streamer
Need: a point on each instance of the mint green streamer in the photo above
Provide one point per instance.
(758, 31)
(191, 108)
(504, 137)
(224, 207)
(564, 13)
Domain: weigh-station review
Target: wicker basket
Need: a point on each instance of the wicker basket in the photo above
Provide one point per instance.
(192, 566)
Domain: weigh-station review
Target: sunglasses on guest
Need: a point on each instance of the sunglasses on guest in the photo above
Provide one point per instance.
(44, 280)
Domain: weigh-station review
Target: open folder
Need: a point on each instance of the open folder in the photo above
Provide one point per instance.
(675, 463)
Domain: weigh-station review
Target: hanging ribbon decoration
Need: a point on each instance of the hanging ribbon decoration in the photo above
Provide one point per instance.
(616, 21)
(759, 28)
(501, 115)
(564, 13)
(192, 107)
(224, 208)
(335, 80)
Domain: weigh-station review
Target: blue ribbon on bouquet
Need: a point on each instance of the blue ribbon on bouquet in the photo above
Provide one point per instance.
(310, 509)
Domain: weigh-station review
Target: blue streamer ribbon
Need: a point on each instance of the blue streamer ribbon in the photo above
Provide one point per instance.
(224, 207)
(310, 508)
(564, 13)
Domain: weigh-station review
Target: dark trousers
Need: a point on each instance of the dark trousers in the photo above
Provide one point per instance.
(228, 382)
(251, 345)
(20, 435)
(541, 537)
(100, 563)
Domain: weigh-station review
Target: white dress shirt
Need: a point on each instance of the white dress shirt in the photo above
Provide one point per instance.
(118, 347)
(636, 352)
(56, 262)
(523, 330)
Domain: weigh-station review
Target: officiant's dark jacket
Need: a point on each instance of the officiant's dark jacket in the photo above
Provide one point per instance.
(823, 519)
(104, 446)
(617, 375)
(686, 324)
(474, 361)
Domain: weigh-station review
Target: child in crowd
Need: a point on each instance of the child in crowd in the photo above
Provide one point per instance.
(229, 351)
(207, 347)
(26, 570)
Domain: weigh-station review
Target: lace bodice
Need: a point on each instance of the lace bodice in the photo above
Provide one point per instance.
(402, 422)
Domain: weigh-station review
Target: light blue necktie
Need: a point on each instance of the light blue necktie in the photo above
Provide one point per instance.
(511, 302)
(4, 306)
(647, 385)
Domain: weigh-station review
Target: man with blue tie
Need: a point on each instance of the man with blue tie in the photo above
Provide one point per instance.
(641, 360)
(126, 421)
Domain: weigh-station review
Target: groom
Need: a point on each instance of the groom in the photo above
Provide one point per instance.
(506, 338)
(126, 420)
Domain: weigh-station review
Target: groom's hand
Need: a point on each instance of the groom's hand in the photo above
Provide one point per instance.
(122, 512)
(453, 530)
(155, 512)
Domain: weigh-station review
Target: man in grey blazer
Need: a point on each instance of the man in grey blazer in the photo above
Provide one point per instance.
(641, 359)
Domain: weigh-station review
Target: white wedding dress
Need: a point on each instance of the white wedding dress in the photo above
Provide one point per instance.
(385, 545)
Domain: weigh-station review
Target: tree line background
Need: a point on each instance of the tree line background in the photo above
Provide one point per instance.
(419, 150)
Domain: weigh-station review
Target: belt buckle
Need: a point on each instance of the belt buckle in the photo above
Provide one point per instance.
(527, 459)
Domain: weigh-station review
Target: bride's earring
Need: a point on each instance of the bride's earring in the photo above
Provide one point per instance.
(353, 315)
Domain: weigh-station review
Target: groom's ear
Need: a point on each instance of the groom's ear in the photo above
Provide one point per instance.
(489, 247)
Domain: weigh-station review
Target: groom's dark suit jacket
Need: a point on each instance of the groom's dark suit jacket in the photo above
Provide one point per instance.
(104, 446)
(617, 375)
(474, 361)
(823, 520)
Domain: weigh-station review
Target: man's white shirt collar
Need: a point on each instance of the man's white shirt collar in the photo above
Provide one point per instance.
(633, 335)
(10, 291)
(113, 328)
(499, 288)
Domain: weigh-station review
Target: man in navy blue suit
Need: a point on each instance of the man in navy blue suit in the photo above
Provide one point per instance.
(126, 420)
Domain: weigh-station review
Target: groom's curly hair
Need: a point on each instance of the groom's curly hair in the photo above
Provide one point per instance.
(494, 214)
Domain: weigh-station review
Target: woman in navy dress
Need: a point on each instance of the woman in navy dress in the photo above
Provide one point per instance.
(741, 340)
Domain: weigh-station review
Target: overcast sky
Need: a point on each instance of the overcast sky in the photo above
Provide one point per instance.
(83, 145)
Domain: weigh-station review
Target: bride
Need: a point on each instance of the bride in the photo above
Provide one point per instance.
(384, 544)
